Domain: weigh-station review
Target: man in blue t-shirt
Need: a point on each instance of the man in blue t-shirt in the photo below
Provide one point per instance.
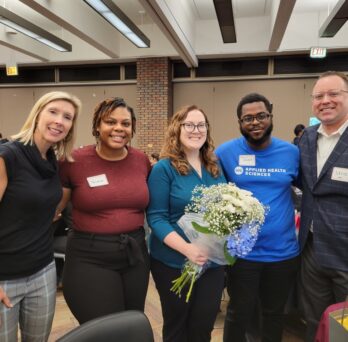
(267, 167)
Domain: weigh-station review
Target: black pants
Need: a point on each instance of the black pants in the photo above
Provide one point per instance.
(249, 283)
(103, 274)
(319, 288)
(192, 321)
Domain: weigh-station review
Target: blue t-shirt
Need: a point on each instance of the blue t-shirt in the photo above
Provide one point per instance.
(268, 174)
(170, 192)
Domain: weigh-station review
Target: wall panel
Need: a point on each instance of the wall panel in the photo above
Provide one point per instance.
(290, 97)
(15, 104)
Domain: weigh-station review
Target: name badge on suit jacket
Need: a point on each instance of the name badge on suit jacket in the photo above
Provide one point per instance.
(340, 174)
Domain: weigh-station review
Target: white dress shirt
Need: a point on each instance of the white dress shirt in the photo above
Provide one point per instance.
(326, 143)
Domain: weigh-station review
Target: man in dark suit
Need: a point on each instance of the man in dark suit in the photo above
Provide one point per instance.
(324, 215)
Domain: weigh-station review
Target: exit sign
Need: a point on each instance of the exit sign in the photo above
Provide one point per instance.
(11, 71)
(318, 52)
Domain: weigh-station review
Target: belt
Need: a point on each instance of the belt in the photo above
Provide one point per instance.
(126, 240)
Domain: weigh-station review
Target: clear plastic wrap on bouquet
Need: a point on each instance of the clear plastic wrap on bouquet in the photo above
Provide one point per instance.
(211, 244)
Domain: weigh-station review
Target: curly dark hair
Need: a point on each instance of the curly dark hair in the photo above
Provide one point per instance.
(105, 108)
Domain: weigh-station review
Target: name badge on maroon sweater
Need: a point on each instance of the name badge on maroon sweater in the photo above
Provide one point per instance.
(99, 180)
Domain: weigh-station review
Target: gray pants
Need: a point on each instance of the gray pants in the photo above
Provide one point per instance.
(33, 299)
(319, 288)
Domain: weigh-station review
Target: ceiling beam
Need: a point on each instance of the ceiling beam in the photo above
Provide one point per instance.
(21, 43)
(76, 17)
(336, 19)
(224, 13)
(161, 14)
(20, 24)
(281, 21)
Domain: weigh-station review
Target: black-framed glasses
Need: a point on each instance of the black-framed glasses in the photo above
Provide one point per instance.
(332, 94)
(190, 127)
(260, 117)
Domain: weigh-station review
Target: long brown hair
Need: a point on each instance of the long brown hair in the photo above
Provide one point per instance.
(174, 150)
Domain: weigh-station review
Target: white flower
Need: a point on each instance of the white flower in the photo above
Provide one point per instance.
(227, 197)
(245, 192)
(226, 208)
(230, 208)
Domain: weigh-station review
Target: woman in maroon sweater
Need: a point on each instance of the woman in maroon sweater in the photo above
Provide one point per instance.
(107, 264)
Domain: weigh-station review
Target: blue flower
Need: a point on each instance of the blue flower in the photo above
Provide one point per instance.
(241, 242)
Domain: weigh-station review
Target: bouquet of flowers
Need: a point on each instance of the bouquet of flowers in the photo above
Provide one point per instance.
(224, 221)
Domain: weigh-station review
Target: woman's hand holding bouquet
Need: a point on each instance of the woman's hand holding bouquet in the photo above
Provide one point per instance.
(194, 254)
(222, 222)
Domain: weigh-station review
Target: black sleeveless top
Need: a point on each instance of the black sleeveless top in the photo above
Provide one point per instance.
(27, 209)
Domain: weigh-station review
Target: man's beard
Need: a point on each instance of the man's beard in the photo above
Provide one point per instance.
(259, 141)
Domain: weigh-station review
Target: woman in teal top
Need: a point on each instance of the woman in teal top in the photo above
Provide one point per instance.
(187, 160)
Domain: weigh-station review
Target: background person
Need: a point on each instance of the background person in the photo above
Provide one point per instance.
(60, 228)
(187, 160)
(298, 131)
(107, 265)
(324, 214)
(29, 193)
(267, 167)
(2, 140)
(154, 158)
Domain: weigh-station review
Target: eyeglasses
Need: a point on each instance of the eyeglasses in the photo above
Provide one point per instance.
(190, 127)
(331, 94)
(260, 117)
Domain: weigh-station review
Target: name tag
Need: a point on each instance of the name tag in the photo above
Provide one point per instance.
(340, 174)
(247, 160)
(99, 180)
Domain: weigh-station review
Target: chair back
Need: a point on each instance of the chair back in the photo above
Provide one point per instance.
(126, 326)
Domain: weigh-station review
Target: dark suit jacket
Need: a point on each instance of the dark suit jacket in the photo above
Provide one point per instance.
(325, 201)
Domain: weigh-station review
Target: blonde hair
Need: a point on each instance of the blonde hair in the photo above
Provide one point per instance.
(174, 150)
(62, 148)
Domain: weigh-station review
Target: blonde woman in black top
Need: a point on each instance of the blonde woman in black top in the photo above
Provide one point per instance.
(29, 194)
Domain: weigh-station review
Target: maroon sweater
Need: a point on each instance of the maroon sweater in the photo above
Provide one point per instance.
(113, 208)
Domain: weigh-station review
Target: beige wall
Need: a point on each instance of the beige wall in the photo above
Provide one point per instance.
(15, 104)
(290, 98)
